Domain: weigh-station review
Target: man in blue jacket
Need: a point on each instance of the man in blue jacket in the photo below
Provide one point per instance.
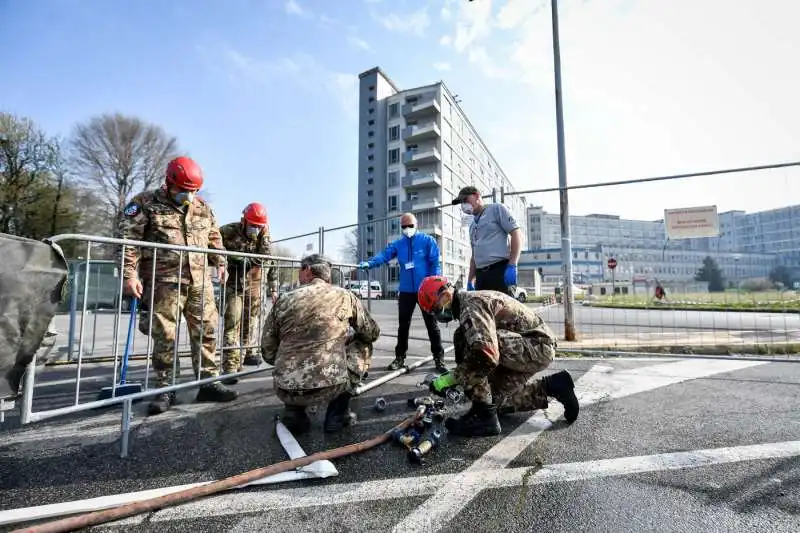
(417, 255)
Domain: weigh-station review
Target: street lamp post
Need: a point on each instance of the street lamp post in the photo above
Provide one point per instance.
(570, 333)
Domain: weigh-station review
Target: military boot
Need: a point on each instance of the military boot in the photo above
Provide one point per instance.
(252, 360)
(161, 403)
(216, 392)
(230, 381)
(480, 421)
(397, 363)
(438, 360)
(296, 419)
(561, 387)
(338, 414)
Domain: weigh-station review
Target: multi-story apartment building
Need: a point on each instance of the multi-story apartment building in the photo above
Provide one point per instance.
(749, 246)
(416, 149)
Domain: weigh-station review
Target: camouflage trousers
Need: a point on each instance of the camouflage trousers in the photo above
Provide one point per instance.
(359, 358)
(196, 303)
(242, 311)
(510, 380)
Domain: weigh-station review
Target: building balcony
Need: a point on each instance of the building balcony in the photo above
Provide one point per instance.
(418, 205)
(434, 230)
(421, 108)
(422, 181)
(421, 132)
(421, 157)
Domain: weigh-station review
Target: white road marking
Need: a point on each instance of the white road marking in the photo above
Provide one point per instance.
(316, 470)
(407, 487)
(593, 386)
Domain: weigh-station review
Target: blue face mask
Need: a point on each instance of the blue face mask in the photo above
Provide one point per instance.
(252, 232)
(184, 198)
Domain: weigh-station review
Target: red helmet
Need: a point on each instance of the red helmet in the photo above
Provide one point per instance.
(430, 290)
(183, 173)
(255, 214)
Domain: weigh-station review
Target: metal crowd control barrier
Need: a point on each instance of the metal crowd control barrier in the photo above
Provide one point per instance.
(28, 415)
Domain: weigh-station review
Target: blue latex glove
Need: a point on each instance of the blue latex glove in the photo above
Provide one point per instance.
(510, 277)
(470, 286)
(364, 265)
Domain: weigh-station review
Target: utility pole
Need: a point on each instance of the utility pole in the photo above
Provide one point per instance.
(566, 239)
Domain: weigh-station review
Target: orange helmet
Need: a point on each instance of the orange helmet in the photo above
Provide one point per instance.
(183, 173)
(430, 290)
(255, 214)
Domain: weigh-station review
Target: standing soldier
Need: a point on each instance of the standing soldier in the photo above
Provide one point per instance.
(500, 344)
(319, 337)
(243, 289)
(175, 215)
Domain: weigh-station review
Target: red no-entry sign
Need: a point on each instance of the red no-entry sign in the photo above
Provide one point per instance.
(612, 263)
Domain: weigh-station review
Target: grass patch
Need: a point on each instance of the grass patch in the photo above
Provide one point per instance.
(771, 301)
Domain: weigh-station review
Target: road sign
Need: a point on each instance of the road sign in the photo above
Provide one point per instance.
(692, 222)
(612, 263)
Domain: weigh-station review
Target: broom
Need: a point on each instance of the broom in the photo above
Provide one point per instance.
(123, 388)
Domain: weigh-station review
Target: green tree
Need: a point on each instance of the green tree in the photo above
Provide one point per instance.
(711, 273)
(781, 274)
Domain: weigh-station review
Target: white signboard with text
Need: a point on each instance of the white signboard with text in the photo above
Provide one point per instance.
(691, 222)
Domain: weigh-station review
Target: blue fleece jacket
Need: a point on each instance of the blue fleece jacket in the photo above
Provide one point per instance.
(420, 250)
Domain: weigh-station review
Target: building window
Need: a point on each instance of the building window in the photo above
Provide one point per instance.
(369, 194)
(371, 110)
(371, 87)
(369, 217)
(394, 227)
(394, 133)
(370, 133)
(369, 205)
(394, 179)
(370, 181)
(370, 169)
(394, 110)
(394, 156)
(371, 123)
(371, 99)
(392, 203)
(412, 195)
(371, 146)
(371, 157)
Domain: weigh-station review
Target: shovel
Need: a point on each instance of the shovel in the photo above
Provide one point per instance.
(122, 388)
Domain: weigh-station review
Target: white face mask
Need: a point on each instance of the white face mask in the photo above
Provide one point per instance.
(409, 232)
(466, 208)
(253, 232)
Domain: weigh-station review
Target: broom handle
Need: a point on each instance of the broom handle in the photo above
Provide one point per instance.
(128, 342)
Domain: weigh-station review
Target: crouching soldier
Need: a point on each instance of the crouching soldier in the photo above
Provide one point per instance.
(319, 338)
(499, 345)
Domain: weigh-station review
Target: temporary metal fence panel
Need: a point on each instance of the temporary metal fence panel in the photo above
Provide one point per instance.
(102, 368)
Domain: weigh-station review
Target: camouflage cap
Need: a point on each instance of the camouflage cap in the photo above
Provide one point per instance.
(463, 193)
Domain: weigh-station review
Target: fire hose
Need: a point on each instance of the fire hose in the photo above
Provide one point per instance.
(184, 496)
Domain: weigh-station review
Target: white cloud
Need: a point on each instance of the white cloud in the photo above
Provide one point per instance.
(473, 23)
(446, 40)
(299, 68)
(293, 8)
(413, 23)
(650, 88)
(358, 42)
(442, 66)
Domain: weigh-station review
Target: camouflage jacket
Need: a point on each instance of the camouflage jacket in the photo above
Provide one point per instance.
(240, 268)
(152, 216)
(306, 332)
(483, 313)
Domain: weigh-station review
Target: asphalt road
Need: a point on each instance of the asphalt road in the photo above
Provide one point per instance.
(667, 445)
(600, 325)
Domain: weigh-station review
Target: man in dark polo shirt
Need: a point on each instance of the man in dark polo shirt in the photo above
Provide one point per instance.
(496, 241)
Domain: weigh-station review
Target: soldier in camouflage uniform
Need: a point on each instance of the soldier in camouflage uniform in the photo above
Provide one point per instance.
(500, 344)
(175, 215)
(243, 289)
(319, 337)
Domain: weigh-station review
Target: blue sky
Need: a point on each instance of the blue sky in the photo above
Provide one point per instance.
(263, 93)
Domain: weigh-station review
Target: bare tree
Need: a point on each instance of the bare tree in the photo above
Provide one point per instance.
(26, 156)
(121, 156)
(350, 247)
